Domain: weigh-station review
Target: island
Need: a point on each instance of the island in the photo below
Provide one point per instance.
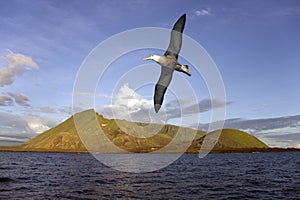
(65, 138)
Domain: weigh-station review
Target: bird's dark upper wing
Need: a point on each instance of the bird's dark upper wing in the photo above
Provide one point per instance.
(161, 86)
(176, 37)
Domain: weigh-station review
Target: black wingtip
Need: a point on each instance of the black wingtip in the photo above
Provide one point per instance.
(183, 16)
(157, 107)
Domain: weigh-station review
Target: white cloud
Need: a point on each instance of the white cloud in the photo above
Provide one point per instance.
(127, 102)
(37, 125)
(203, 12)
(16, 64)
(8, 73)
(129, 105)
(128, 98)
(16, 59)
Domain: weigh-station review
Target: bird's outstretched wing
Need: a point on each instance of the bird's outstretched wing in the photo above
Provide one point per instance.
(161, 86)
(176, 37)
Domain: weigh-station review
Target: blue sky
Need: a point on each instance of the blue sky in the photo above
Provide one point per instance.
(255, 45)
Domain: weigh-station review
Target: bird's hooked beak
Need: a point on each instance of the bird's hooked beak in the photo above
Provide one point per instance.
(148, 58)
(185, 69)
(188, 73)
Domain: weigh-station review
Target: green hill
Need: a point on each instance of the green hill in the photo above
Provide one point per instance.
(235, 139)
(64, 137)
(232, 140)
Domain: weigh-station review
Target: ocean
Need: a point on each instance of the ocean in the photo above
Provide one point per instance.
(217, 176)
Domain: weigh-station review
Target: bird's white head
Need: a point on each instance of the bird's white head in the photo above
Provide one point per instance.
(185, 69)
(153, 57)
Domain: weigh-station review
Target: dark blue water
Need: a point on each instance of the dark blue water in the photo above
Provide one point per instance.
(219, 176)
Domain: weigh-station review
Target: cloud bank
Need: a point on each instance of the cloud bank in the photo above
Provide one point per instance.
(276, 132)
(24, 125)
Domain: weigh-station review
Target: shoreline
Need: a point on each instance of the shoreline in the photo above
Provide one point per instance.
(214, 151)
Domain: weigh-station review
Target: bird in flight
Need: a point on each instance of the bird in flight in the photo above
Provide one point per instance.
(169, 63)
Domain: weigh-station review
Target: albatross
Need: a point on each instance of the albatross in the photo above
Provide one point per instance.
(169, 63)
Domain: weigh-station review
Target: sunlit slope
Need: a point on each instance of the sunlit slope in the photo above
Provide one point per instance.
(231, 138)
(62, 137)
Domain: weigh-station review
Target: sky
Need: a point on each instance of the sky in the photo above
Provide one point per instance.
(254, 44)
